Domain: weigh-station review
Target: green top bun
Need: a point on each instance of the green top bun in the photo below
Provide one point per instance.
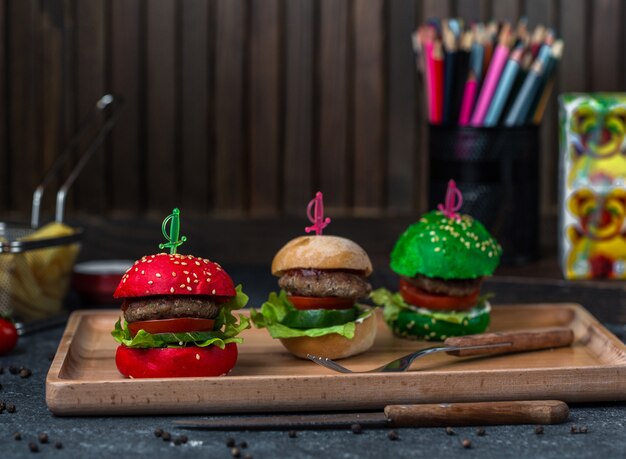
(439, 246)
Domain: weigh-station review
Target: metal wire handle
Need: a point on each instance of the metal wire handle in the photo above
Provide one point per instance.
(106, 101)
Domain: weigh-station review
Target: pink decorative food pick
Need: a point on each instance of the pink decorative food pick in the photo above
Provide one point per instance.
(317, 218)
(453, 203)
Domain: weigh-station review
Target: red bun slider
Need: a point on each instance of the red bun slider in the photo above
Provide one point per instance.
(178, 319)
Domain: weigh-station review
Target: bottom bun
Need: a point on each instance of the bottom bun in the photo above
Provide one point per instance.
(176, 362)
(417, 325)
(335, 346)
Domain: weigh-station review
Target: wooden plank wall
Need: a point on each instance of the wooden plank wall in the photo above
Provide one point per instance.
(246, 107)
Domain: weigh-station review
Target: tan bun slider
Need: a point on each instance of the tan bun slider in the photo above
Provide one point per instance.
(321, 252)
(335, 346)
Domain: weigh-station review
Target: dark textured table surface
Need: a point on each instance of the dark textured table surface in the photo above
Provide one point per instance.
(133, 436)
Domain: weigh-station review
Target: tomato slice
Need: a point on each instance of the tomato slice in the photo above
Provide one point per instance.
(309, 302)
(418, 297)
(180, 325)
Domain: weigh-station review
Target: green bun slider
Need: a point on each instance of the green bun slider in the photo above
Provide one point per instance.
(317, 310)
(442, 260)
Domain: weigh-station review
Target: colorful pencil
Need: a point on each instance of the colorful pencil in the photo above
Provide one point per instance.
(518, 114)
(489, 39)
(450, 46)
(471, 88)
(429, 73)
(527, 61)
(486, 74)
(537, 39)
(477, 55)
(438, 75)
(460, 76)
(557, 52)
(504, 87)
(492, 77)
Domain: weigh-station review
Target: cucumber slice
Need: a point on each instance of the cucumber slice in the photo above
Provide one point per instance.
(415, 325)
(318, 318)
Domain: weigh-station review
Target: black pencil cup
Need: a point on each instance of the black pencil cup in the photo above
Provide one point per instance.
(497, 170)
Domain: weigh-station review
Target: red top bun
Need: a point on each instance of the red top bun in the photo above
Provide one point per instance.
(174, 274)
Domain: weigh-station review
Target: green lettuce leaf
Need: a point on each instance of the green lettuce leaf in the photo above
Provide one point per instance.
(394, 303)
(227, 327)
(276, 308)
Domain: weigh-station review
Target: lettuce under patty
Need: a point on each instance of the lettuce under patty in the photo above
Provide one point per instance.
(276, 308)
(226, 330)
(394, 303)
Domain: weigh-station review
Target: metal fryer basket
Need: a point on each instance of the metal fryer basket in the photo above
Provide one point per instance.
(36, 262)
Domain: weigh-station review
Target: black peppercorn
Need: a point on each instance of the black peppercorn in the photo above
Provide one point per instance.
(573, 429)
(539, 430)
(2, 406)
(583, 429)
(11, 408)
(166, 436)
(58, 445)
(393, 435)
(43, 437)
(33, 447)
(243, 444)
(177, 441)
(467, 444)
(235, 452)
(158, 432)
(25, 373)
(230, 442)
(17, 436)
(450, 431)
(356, 428)
(292, 434)
(481, 432)
(183, 438)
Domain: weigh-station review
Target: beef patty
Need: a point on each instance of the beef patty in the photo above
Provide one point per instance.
(451, 287)
(320, 283)
(169, 307)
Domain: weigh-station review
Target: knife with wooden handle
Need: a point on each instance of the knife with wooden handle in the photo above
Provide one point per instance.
(426, 415)
(513, 341)
(475, 414)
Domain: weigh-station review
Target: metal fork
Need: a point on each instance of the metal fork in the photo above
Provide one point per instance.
(403, 363)
(481, 344)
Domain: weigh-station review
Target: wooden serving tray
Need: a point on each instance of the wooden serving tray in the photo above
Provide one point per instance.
(83, 379)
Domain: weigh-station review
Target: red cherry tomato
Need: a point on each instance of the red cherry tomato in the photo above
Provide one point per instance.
(309, 302)
(8, 336)
(418, 297)
(181, 325)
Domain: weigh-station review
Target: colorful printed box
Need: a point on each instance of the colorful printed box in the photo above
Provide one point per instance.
(593, 185)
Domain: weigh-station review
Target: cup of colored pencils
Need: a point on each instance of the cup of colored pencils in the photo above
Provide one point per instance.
(486, 75)
(486, 89)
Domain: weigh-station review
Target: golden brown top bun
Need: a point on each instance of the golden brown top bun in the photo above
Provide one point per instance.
(335, 346)
(321, 252)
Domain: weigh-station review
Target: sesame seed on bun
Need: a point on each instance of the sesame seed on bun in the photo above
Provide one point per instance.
(446, 248)
(175, 274)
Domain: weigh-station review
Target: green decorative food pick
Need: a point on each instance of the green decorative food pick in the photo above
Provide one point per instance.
(172, 239)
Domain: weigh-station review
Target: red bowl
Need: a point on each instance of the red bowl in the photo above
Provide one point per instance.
(95, 281)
